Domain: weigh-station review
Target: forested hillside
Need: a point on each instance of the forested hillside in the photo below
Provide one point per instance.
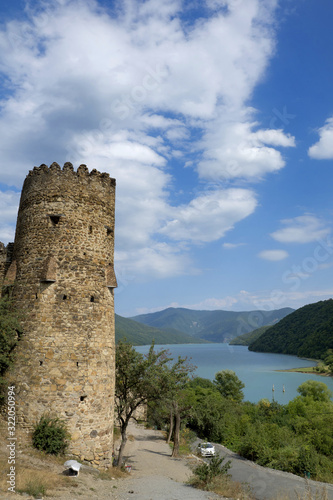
(213, 326)
(307, 332)
(249, 338)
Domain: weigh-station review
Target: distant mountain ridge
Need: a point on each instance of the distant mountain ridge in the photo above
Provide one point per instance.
(139, 334)
(307, 332)
(212, 326)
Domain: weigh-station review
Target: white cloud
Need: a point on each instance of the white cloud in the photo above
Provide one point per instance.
(323, 149)
(232, 149)
(231, 246)
(209, 216)
(303, 229)
(273, 255)
(159, 260)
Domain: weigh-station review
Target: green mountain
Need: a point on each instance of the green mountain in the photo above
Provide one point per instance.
(307, 332)
(139, 334)
(248, 338)
(212, 326)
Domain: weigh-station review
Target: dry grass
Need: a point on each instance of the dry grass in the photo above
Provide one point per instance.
(35, 472)
(223, 485)
(231, 489)
(34, 481)
(319, 494)
(113, 473)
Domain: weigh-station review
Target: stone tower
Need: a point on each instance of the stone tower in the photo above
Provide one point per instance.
(61, 272)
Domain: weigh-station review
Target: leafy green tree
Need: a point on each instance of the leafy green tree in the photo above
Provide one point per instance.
(318, 391)
(329, 359)
(229, 385)
(141, 379)
(201, 382)
(178, 399)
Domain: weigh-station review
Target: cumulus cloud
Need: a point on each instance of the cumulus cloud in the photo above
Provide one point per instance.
(273, 255)
(302, 229)
(323, 149)
(233, 150)
(128, 90)
(209, 216)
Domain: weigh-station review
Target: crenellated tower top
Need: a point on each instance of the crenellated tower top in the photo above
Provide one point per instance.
(82, 171)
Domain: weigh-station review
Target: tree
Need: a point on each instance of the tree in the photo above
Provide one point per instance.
(329, 359)
(318, 391)
(141, 379)
(229, 385)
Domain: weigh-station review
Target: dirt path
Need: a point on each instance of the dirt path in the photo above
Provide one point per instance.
(154, 474)
(149, 455)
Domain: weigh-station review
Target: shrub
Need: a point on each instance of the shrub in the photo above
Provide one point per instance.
(308, 461)
(50, 435)
(205, 473)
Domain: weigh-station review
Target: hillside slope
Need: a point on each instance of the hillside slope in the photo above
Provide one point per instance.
(139, 334)
(213, 326)
(249, 338)
(307, 332)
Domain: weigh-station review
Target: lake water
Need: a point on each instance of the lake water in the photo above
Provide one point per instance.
(256, 370)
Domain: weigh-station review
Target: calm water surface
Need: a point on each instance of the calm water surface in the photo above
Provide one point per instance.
(256, 370)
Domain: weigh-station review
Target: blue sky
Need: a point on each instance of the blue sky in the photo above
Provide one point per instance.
(216, 119)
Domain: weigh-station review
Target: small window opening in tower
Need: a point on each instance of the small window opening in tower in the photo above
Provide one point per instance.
(77, 364)
(82, 398)
(36, 296)
(92, 299)
(55, 219)
(64, 297)
(109, 230)
(90, 229)
(41, 363)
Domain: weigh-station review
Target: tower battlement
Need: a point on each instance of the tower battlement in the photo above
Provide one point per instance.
(62, 275)
(82, 171)
(47, 182)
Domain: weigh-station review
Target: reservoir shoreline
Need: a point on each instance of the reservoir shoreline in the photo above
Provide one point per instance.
(260, 372)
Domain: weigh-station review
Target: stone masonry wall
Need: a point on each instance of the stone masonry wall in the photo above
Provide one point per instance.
(62, 276)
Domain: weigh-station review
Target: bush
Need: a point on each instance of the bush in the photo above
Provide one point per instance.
(205, 473)
(308, 461)
(51, 435)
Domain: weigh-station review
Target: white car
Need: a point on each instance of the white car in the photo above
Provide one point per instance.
(206, 449)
